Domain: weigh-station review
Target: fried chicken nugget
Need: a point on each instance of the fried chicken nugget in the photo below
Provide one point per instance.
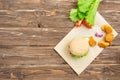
(92, 41)
(103, 28)
(109, 37)
(107, 28)
(103, 44)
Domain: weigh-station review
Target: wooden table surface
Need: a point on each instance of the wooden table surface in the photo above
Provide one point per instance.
(30, 29)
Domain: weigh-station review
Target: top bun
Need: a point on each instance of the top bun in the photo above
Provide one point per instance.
(79, 46)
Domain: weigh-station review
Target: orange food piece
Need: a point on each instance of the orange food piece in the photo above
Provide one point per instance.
(78, 23)
(86, 24)
(107, 28)
(103, 44)
(92, 41)
(109, 37)
(103, 28)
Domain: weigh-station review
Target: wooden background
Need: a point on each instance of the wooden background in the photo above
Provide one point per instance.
(30, 29)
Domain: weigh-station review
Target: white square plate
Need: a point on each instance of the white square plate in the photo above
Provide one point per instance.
(78, 65)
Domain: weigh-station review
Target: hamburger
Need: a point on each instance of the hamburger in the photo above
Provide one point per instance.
(79, 47)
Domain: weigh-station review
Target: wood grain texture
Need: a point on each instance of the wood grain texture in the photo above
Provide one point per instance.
(29, 30)
(48, 11)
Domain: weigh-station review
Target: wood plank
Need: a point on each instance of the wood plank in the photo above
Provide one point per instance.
(13, 19)
(42, 56)
(109, 5)
(32, 36)
(35, 19)
(19, 4)
(94, 71)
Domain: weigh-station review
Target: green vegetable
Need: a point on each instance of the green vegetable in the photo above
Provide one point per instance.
(81, 15)
(75, 56)
(73, 15)
(92, 12)
(84, 5)
(86, 10)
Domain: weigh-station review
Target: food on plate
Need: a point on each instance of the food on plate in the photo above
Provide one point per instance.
(79, 47)
(103, 28)
(92, 41)
(86, 11)
(103, 44)
(109, 37)
(78, 23)
(98, 34)
(73, 15)
(107, 28)
(90, 17)
(86, 24)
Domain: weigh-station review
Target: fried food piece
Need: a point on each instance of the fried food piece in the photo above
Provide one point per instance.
(107, 28)
(92, 41)
(103, 28)
(103, 44)
(109, 37)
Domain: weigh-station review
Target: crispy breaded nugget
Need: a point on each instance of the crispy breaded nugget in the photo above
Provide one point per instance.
(103, 44)
(103, 28)
(109, 37)
(107, 28)
(92, 41)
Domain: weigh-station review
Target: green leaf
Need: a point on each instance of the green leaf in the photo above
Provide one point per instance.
(73, 15)
(84, 5)
(90, 17)
(81, 15)
(75, 56)
(86, 10)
